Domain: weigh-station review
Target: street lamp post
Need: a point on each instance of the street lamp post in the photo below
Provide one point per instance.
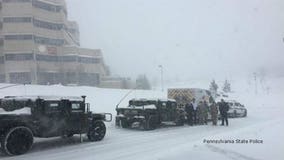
(255, 81)
(162, 79)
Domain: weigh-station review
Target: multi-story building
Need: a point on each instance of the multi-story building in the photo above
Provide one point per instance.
(39, 45)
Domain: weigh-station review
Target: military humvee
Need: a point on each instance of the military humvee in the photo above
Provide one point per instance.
(149, 114)
(26, 117)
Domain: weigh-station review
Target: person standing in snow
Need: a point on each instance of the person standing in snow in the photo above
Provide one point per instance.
(199, 111)
(205, 110)
(214, 113)
(189, 113)
(224, 108)
(194, 104)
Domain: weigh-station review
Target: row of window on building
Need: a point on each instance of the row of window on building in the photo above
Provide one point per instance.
(14, 1)
(39, 4)
(44, 78)
(48, 58)
(2, 78)
(40, 23)
(37, 39)
(1, 59)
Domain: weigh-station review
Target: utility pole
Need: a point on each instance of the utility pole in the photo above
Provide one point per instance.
(162, 79)
(255, 81)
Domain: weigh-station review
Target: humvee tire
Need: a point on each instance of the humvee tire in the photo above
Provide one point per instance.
(124, 123)
(151, 123)
(97, 131)
(17, 141)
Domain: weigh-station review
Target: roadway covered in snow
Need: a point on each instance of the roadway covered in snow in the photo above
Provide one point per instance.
(263, 124)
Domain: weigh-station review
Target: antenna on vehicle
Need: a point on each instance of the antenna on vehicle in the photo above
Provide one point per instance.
(84, 98)
(125, 96)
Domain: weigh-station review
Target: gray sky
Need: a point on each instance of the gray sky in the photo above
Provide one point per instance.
(190, 38)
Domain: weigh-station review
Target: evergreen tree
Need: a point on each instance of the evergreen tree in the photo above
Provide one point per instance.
(213, 86)
(142, 82)
(227, 86)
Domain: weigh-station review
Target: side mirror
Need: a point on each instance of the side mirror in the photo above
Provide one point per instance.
(87, 107)
(108, 117)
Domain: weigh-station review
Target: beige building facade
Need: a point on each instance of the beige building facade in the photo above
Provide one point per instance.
(39, 45)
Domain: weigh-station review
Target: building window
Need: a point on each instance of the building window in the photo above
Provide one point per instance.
(1, 41)
(70, 78)
(72, 30)
(48, 41)
(20, 77)
(12, 1)
(17, 19)
(88, 60)
(68, 58)
(2, 78)
(46, 6)
(47, 25)
(19, 57)
(46, 58)
(1, 59)
(92, 79)
(50, 78)
(19, 37)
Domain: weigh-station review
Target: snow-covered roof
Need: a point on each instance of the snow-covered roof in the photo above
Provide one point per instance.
(45, 97)
(153, 99)
(226, 100)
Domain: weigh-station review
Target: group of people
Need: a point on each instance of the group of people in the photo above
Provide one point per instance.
(197, 113)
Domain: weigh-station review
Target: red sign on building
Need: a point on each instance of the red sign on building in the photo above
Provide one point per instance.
(51, 50)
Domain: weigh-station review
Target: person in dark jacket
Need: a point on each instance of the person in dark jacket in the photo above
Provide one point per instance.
(194, 103)
(189, 113)
(199, 112)
(224, 108)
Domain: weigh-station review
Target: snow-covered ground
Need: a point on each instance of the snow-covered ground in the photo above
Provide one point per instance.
(264, 123)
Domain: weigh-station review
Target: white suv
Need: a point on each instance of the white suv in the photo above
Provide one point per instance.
(236, 109)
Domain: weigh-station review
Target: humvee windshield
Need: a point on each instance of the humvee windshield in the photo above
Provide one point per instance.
(12, 105)
(142, 103)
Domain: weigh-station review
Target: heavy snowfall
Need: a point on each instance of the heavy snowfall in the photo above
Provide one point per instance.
(259, 136)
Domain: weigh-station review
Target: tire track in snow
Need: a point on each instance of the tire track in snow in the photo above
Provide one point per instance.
(230, 154)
